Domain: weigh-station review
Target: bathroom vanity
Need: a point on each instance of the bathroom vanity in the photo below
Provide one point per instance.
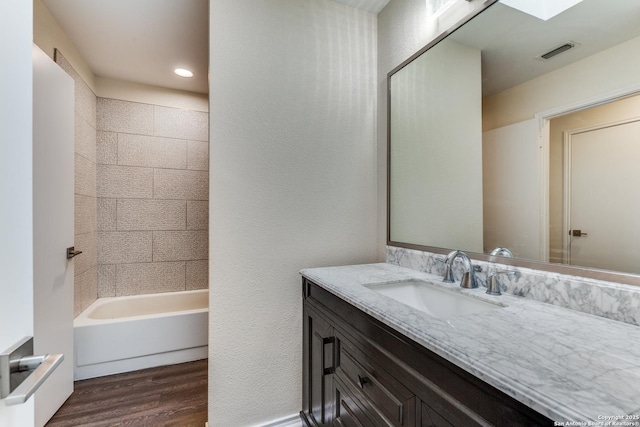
(371, 360)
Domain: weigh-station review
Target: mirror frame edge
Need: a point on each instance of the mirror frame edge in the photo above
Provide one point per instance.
(582, 272)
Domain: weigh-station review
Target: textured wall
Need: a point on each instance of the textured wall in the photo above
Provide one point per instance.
(292, 185)
(85, 225)
(152, 189)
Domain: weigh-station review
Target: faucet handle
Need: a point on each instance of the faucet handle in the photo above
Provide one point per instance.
(468, 280)
(493, 287)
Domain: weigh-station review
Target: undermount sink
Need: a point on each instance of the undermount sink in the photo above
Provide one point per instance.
(434, 301)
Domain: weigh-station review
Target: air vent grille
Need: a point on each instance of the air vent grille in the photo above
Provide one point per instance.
(558, 50)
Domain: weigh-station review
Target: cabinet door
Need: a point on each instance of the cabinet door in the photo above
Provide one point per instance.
(318, 364)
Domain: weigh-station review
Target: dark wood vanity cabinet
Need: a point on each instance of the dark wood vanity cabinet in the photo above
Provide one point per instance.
(359, 372)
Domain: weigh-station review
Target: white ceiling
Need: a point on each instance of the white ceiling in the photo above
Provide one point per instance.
(140, 40)
(511, 40)
(374, 6)
(145, 40)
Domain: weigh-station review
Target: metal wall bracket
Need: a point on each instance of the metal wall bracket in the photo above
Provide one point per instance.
(22, 373)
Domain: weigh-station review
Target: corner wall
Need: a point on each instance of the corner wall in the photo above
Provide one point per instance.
(293, 185)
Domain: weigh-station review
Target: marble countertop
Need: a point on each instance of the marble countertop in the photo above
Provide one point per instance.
(567, 365)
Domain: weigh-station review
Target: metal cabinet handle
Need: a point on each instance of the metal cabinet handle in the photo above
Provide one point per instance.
(332, 368)
(22, 373)
(363, 380)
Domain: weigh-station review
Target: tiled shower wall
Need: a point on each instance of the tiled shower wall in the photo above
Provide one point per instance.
(85, 224)
(152, 198)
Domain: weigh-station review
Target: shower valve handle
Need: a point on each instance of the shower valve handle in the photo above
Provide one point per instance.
(71, 252)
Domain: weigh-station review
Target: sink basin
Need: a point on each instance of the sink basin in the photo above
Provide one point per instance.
(434, 301)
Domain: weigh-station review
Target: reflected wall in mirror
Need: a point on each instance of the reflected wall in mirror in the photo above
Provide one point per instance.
(492, 143)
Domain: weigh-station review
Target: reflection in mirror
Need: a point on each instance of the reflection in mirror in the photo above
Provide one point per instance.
(437, 185)
(494, 144)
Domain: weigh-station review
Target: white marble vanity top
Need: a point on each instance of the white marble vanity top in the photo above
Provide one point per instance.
(567, 365)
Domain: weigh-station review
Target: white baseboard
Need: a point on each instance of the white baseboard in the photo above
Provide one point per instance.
(289, 421)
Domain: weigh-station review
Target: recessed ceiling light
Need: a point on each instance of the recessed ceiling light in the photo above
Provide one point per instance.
(183, 73)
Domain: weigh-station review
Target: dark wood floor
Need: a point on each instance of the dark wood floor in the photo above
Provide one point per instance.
(173, 396)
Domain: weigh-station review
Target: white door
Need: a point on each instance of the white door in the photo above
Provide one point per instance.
(53, 133)
(604, 204)
(16, 226)
(511, 190)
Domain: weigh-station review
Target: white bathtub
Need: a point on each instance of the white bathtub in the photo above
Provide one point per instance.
(124, 334)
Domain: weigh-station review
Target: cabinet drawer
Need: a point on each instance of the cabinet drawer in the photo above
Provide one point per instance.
(352, 412)
(387, 396)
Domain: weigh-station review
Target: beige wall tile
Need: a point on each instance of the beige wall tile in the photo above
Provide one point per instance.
(87, 243)
(198, 155)
(77, 294)
(127, 246)
(88, 287)
(197, 215)
(84, 176)
(85, 101)
(180, 184)
(114, 115)
(124, 181)
(85, 290)
(137, 214)
(150, 151)
(106, 280)
(66, 65)
(106, 214)
(182, 124)
(136, 279)
(180, 245)
(106, 148)
(197, 275)
(85, 214)
(85, 138)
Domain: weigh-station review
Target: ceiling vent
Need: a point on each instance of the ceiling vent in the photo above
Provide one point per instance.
(558, 50)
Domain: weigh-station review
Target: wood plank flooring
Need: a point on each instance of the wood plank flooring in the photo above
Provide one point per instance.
(167, 396)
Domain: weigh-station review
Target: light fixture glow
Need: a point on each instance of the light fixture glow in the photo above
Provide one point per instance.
(542, 9)
(183, 73)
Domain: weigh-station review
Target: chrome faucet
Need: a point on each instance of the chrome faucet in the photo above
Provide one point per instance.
(502, 251)
(468, 279)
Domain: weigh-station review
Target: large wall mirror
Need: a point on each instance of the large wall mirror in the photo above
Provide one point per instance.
(523, 132)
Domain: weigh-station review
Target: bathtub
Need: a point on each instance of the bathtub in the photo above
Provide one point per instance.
(124, 334)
